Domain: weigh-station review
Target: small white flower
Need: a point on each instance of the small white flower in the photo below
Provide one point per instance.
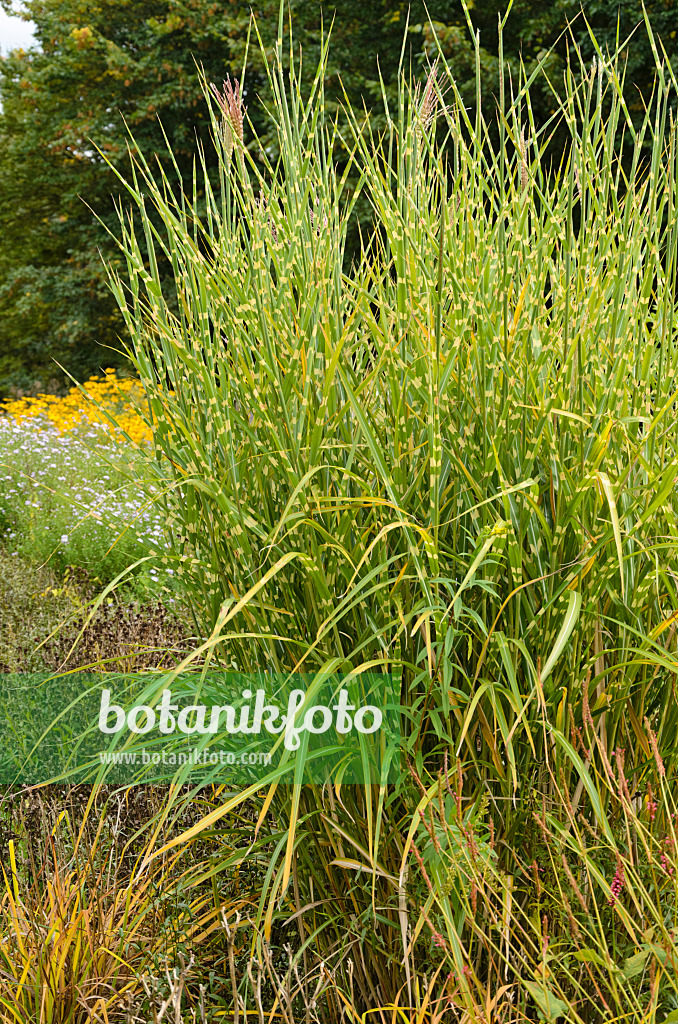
(64, 538)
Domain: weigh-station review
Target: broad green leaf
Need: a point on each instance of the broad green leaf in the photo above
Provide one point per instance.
(635, 965)
(550, 1005)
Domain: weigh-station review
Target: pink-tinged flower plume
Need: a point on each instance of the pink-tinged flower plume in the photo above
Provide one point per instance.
(230, 102)
(429, 103)
(426, 109)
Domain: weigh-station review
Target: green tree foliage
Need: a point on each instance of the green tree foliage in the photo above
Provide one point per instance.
(96, 64)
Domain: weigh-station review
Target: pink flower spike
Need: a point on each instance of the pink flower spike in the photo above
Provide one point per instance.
(617, 884)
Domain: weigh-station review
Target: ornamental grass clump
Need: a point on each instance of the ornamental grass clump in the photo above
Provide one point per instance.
(82, 926)
(451, 457)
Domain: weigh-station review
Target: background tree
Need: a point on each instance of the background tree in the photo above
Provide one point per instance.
(96, 65)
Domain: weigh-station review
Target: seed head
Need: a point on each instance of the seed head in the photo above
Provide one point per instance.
(429, 103)
(573, 882)
(586, 710)
(655, 750)
(428, 107)
(230, 102)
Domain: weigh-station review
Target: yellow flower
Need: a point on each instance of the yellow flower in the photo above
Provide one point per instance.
(120, 398)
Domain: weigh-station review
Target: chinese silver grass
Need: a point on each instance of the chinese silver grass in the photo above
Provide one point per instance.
(455, 462)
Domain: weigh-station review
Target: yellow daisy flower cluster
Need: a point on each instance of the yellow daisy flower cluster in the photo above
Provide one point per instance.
(120, 397)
